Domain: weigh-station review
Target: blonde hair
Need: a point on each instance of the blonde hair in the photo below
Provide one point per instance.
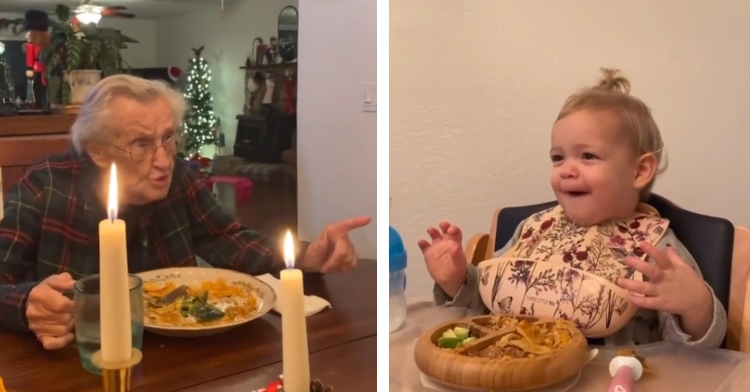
(636, 123)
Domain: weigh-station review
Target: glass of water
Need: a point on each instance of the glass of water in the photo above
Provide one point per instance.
(87, 317)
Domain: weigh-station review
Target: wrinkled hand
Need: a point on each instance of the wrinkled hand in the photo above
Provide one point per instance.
(50, 313)
(445, 257)
(673, 286)
(333, 251)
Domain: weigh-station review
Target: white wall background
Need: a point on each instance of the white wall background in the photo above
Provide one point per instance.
(476, 85)
(337, 154)
(144, 53)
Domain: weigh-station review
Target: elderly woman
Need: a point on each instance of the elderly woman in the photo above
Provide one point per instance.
(48, 236)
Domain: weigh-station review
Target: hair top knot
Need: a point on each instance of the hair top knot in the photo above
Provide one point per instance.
(612, 81)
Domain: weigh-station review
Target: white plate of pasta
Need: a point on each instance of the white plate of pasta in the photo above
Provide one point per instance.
(216, 300)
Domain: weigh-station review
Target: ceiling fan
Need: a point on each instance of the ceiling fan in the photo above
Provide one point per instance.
(91, 13)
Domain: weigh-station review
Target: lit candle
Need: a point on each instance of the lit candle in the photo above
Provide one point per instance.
(114, 288)
(296, 366)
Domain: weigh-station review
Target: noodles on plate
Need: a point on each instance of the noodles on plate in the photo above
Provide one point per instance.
(213, 302)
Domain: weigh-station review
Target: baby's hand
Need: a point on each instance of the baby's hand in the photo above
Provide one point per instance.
(445, 258)
(673, 286)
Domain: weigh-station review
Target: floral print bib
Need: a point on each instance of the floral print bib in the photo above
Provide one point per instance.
(557, 269)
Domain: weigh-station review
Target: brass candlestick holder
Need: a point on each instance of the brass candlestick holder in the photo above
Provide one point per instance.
(116, 376)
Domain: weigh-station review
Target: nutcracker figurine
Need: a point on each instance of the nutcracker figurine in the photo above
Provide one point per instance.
(37, 24)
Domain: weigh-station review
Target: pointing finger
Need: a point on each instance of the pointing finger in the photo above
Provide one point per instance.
(342, 228)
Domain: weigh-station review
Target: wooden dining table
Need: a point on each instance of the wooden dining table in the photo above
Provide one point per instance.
(241, 359)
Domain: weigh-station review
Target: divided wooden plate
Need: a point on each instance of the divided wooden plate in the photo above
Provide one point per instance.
(462, 367)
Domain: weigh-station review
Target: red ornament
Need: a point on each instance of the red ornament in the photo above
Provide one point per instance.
(274, 386)
(204, 162)
(174, 73)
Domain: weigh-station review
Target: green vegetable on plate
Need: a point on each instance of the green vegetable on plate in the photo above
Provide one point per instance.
(455, 338)
(199, 308)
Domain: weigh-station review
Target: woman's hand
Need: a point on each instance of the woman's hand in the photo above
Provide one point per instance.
(50, 313)
(333, 251)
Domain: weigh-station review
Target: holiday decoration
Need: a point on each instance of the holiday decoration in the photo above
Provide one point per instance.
(272, 53)
(33, 64)
(37, 24)
(37, 36)
(203, 162)
(278, 386)
(198, 165)
(199, 122)
(7, 90)
(174, 73)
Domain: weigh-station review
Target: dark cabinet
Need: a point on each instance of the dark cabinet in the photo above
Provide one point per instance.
(26, 140)
(262, 138)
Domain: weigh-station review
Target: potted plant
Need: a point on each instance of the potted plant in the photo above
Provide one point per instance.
(77, 57)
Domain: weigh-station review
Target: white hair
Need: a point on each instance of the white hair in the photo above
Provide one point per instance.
(93, 121)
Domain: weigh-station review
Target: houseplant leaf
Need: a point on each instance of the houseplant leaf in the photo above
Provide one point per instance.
(74, 52)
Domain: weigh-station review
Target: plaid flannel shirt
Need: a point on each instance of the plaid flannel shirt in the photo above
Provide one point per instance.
(51, 225)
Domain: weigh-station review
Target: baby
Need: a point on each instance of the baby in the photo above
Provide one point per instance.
(606, 152)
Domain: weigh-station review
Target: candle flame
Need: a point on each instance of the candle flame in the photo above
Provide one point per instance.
(112, 197)
(289, 249)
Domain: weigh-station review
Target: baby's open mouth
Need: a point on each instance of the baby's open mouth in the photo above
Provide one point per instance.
(577, 193)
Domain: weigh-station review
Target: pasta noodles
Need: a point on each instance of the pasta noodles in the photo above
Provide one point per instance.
(212, 302)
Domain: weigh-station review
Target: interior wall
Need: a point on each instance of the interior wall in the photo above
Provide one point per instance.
(477, 85)
(337, 141)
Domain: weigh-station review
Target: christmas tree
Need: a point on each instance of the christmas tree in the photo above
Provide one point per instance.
(200, 121)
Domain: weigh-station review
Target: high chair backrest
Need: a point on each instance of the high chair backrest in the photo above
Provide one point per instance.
(710, 240)
(738, 332)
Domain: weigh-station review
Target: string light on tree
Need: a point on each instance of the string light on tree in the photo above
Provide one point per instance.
(200, 120)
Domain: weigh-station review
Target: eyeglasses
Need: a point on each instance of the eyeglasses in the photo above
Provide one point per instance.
(144, 150)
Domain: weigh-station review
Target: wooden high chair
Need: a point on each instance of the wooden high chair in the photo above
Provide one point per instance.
(710, 240)
(738, 333)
